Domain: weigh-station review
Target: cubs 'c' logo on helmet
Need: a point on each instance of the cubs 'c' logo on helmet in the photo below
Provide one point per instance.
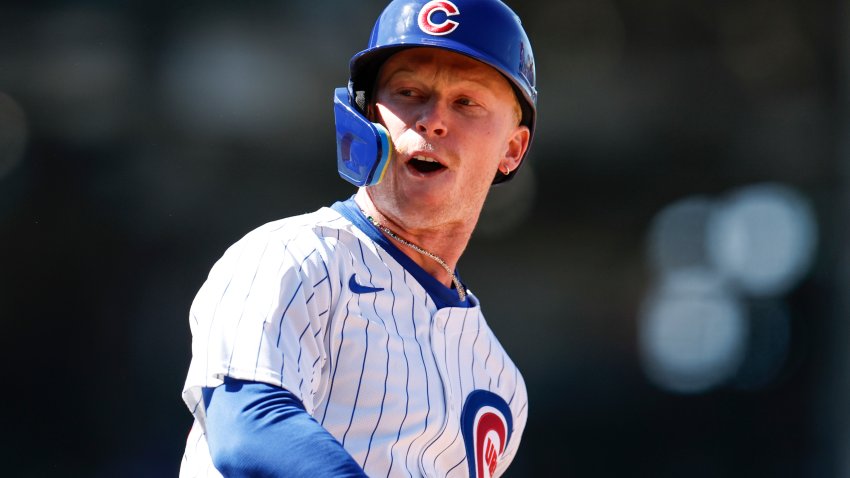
(487, 425)
(426, 21)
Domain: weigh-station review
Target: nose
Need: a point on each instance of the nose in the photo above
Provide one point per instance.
(431, 120)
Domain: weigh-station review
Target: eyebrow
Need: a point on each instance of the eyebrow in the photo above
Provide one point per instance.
(479, 79)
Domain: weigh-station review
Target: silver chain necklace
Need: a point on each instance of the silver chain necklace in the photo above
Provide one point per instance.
(461, 292)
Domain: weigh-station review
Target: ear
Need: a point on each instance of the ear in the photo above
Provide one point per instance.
(515, 148)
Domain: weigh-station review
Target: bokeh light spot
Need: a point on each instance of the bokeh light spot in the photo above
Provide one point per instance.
(763, 238)
(693, 332)
(677, 235)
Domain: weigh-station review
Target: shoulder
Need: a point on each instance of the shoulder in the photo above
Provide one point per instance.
(280, 258)
(306, 247)
(311, 227)
(295, 237)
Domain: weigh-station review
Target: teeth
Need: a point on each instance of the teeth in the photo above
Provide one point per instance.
(423, 158)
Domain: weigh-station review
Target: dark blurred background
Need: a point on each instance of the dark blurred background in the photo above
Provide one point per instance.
(670, 270)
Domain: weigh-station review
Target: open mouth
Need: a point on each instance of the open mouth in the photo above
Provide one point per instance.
(425, 165)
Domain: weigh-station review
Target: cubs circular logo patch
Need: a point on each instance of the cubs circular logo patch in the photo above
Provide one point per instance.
(487, 424)
(428, 17)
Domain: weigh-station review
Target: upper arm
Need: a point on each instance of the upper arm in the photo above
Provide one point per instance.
(261, 316)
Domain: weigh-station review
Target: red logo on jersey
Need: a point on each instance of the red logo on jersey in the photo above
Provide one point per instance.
(426, 22)
(486, 425)
(490, 433)
(492, 458)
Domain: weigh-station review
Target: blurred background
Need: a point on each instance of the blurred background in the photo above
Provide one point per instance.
(670, 270)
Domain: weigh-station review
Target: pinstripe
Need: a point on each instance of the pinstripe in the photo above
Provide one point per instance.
(213, 314)
(387, 346)
(301, 263)
(499, 380)
(301, 349)
(459, 379)
(339, 348)
(455, 466)
(445, 421)
(330, 284)
(406, 379)
(459, 341)
(330, 316)
(359, 381)
(522, 409)
(387, 367)
(486, 361)
(516, 372)
(262, 331)
(363, 365)
(383, 401)
(323, 279)
(424, 368)
(477, 334)
(283, 315)
(448, 447)
(280, 331)
(248, 294)
(295, 294)
(333, 361)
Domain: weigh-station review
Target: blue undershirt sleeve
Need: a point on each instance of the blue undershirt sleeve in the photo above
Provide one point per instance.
(256, 429)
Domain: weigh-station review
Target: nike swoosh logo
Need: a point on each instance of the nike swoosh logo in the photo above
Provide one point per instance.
(361, 289)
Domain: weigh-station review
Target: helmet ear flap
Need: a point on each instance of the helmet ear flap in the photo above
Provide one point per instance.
(364, 149)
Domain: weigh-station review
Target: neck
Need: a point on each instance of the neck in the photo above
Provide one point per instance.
(447, 241)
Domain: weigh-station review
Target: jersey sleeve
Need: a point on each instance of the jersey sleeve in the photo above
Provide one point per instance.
(261, 316)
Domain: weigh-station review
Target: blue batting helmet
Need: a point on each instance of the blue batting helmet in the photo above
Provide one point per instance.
(486, 30)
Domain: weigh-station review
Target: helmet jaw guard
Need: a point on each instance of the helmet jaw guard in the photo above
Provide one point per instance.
(486, 30)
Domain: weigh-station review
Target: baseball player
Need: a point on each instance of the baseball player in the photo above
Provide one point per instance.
(343, 342)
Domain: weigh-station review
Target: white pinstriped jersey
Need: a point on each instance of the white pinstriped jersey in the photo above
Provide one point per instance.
(324, 306)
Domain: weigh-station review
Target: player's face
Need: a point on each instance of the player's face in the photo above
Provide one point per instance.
(454, 122)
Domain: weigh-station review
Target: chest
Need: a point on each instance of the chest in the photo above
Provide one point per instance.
(405, 385)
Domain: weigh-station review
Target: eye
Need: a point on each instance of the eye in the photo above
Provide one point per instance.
(407, 92)
(463, 101)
